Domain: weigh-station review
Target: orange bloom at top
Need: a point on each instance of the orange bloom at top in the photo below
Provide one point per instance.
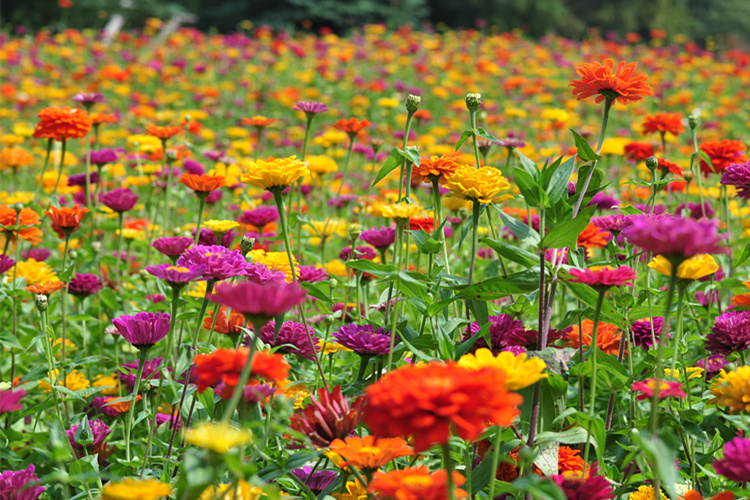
(225, 365)
(608, 336)
(258, 121)
(351, 126)
(62, 123)
(664, 123)
(66, 220)
(46, 288)
(611, 83)
(369, 452)
(203, 184)
(431, 400)
(25, 230)
(433, 168)
(722, 154)
(163, 133)
(593, 237)
(415, 483)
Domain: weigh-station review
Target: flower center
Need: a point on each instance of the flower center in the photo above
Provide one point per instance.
(179, 269)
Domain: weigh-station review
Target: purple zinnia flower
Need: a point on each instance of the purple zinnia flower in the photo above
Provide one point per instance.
(291, 339)
(262, 302)
(641, 330)
(38, 254)
(591, 486)
(730, 333)
(259, 273)
(510, 142)
(151, 369)
(255, 393)
(317, 481)
(99, 431)
(219, 263)
(260, 217)
(6, 263)
(176, 277)
(738, 175)
(556, 255)
(193, 167)
(144, 329)
(603, 201)
(697, 210)
(208, 237)
(713, 364)
(83, 285)
(155, 298)
(20, 485)
(102, 407)
(735, 465)
(119, 200)
(311, 274)
(342, 200)
(364, 339)
(80, 179)
(103, 156)
(172, 246)
(162, 418)
(707, 299)
(502, 327)
(381, 237)
(612, 223)
(310, 108)
(9, 400)
(674, 236)
(88, 99)
(361, 252)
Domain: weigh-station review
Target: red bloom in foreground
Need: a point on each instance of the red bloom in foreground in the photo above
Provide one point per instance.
(62, 122)
(351, 126)
(611, 83)
(415, 483)
(591, 487)
(639, 151)
(603, 276)
(329, 417)
(225, 365)
(664, 123)
(667, 167)
(66, 220)
(666, 389)
(430, 401)
(722, 154)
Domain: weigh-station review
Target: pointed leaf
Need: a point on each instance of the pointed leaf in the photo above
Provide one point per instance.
(585, 152)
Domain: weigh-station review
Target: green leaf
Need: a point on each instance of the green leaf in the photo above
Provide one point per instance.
(464, 136)
(565, 235)
(742, 258)
(315, 291)
(574, 435)
(528, 165)
(585, 152)
(391, 163)
(8, 340)
(598, 432)
(528, 187)
(485, 135)
(519, 229)
(467, 344)
(411, 154)
(661, 457)
(498, 287)
(371, 267)
(513, 254)
(558, 186)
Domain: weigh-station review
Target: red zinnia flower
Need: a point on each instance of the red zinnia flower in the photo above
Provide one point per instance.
(639, 151)
(667, 167)
(722, 154)
(611, 83)
(663, 123)
(666, 389)
(66, 220)
(351, 126)
(415, 483)
(329, 417)
(163, 133)
(203, 184)
(422, 223)
(62, 123)
(258, 121)
(590, 487)
(225, 365)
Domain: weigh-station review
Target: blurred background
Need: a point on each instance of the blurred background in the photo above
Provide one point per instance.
(708, 22)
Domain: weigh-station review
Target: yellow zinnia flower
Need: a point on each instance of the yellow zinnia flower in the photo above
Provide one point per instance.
(221, 226)
(227, 491)
(732, 390)
(276, 174)
(75, 381)
(321, 164)
(401, 210)
(337, 268)
(275, 261)
(693, 268)
(218, 437)
(479, 184)
(645, 492)
(108, 383)
(331, 347)
(136, 489)
(692, 372)
(519, 371)
(133, 234)
(34, 272)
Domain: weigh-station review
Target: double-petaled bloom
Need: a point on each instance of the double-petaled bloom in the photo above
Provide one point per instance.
(482, 185)
(66, 220)
(62, 122)
(144, 329)
(274, 175)
(202, 185)
(607, 82)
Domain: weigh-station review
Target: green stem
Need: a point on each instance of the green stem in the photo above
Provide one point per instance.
(438, 221)
(695, 156)
(119, 257)
(409, 165)
(170, 336)
(658, 371)
(476, 208)
(602, 130)
(63, 304)
(215, 316)
(678, 331)
(44, 168)
(167, 213)
(448, 463)
(239, 389)
(473, 119)
(201, 204)
(134, 395)
(593, 355)
(495, 461)
(204, 305)
(60, 168)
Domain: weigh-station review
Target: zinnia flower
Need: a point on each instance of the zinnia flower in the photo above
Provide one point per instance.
(136, 489)
(369, 452)
(433, 168)
(608, 336)
(641, 331)
(274, 175)
(62, 122)
(218, 262)
(202, 185)
(611, 83)
(119, 200)
(217, 436)
(144, 329)
(732, 389)
(415, 483)
(482, 185)
(311, 108)
(20, 485)
(258, 122)
(290, 339)
(590, 486)
(737, 175)
(225, 365)
(259, 302)
(380, 238)
(666, 389)
(175, 276)
(172, 246)
(99, 432)
(519, 371)
(9, 400)
(603, 277)
(365, 340)
(25, 220)
(401, 210)
(673, 237)
(163, 133)
(429, 401)
(722, 155)
(260, 216)
(66, 220)
(694, 268)
(664, 123)
(317, 480)
(735, 465)
(45, 288)
(593, 236)
(351, 126)
(328, 417)
(730, 333)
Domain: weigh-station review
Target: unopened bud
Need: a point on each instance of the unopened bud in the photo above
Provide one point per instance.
(693, 121)
(41, 302)
(413, 102)
(18, 206)
(171, 154)
(688, 176)
(330, 319)
(354, 231)
(652, 162)
(473, 101)
(143, 274)
(188, 118)
(247, 244)
(484, 146)
(333, 283)
(73, 254)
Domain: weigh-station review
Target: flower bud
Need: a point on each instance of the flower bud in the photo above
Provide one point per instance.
(652, 163)
(171, 154)
(83, 435)
(18, 207)
(333, 283)
(96, 246)
(473, 101)
(376, 143)
(329, 319)
(247, 244)
(143, 274)
(693, 121)
(354, 231)
(73, 254)
(412, 102)
(688, 176)
(484, 146)
(41, 302)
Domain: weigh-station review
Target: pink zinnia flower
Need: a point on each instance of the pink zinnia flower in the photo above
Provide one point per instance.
(261, 302)
(144, 329)
(603, 276)
(591, 487)
(666, 389)
(735, 465)
(9, 400)
(674, 236)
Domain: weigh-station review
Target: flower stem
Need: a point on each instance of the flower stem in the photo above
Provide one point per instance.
(448, 464)
(696, 156)
(658, 371)
(204, 305)
(170, 336)
(473, 119)
(201, 204)
(593, 354)
(168, 200)
(63, 303)
(409, 165)
(239, 389)
(134, 395)
(62, 164)
(476, 208)
(605, 119)
(118, 257)
(678, 330)
(495, 461)
(44, 168)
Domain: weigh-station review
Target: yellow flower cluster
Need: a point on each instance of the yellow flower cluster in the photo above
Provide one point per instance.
(400, 210)
(519, 371)
(732, 390)
(276, 174)
(107, 383)
(136, 489)
(227, 491)
(221, 226)
(479, 184)
(694, 268)
(75, 381)
(219, 437)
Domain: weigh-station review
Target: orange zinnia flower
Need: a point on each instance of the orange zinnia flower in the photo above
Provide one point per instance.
(694, 495)
(121, 406)
(742, 299)
(568, 460)
(62, 123)
(369, 452)
(224, 326)
(225, 365)
(608, 336)
(163, 133)
(610, 83)
(433, 168)
(415, 483)
(203, 184)
(14, 158)
(593, 237)
(28, 218)
(663, 123)
(46, 288)
(258, 121)
(722, 154)
(351, 126)
(66, 220)
(431, 400)
(99, 118)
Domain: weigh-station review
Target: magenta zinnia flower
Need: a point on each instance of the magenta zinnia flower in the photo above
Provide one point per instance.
(311, 274)
(642, 332)
(103, 156)
(680, 237)
(88, 98)
(259, 302)
(151, 369)
(365, 340)
(713, 364)
(258, 273)
(360, 252)
(172, 246)
(6, 263)
(381, 237)
(592, 487)
(667, 389)
(603, 276)
(20, 485)
(730, 333)
(9, 400)
(696, 210)
(175, 276)
(144, 329)
(310, 108)
(219, 262)
(119, 200)
(738, 175)
(84, 284)
(291, 338)
(260, 217)
(735, 465)
(99, 431)
(503, 327)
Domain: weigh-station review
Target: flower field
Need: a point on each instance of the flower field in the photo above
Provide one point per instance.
(395, 265)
